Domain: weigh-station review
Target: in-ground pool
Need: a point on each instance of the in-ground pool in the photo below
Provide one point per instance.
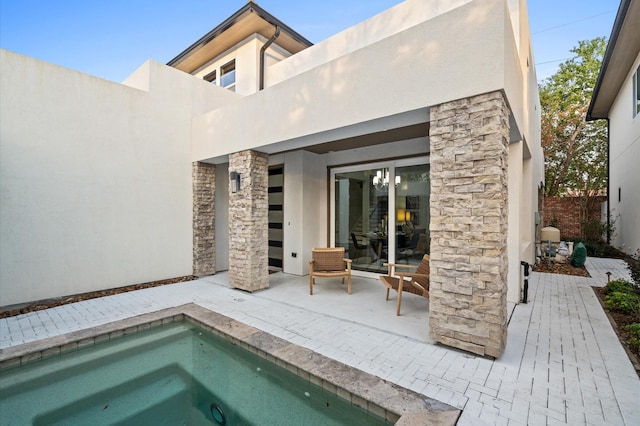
(170, 375)
(154, 372)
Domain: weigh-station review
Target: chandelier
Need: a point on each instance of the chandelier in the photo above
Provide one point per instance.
(381, 179)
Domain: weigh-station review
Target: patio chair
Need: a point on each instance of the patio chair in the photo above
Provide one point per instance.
(417, 282)
(329, 263)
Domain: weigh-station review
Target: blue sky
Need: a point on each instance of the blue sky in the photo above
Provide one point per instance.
(111, 38)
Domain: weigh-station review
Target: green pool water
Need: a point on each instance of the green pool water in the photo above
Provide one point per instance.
(171, 375)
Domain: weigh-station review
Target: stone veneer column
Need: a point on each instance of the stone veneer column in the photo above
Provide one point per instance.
(248, 222)
(469, 146)
(204, 242)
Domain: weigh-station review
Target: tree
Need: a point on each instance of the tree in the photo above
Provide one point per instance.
(575, 150)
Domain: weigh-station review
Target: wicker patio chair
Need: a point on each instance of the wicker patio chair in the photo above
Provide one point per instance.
(329, 263)
(417, 282)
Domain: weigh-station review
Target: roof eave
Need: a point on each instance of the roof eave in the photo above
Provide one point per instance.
(250, 7)
(615, 33)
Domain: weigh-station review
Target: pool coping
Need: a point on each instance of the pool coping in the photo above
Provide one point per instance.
(402, 406)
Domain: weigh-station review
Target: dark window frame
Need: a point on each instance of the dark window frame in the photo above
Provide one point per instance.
(212, 77)
(229, 70)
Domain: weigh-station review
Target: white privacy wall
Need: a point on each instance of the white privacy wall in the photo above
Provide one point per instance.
(624, 157)
(95, 178)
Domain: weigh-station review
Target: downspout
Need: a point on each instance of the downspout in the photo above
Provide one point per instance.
(608, 182)
(263, 50)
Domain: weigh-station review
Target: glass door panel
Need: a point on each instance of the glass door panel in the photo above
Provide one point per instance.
(412, 213)
(362, 217)
(381, 213)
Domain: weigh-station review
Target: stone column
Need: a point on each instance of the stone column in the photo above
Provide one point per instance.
(468, 293)
(204, 242)
(248, 222)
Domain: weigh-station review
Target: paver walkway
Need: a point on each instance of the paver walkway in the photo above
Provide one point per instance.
(563, 363)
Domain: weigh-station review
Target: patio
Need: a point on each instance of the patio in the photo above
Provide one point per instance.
(563, 363)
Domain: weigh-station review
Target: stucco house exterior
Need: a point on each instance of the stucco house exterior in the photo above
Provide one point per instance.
(616, 97)
(416, 131)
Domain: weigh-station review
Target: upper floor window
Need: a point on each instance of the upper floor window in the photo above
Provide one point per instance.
(228, 75)
(636, 92)
(211, 77)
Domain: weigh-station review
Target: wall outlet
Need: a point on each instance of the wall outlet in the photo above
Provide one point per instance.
(294, 254)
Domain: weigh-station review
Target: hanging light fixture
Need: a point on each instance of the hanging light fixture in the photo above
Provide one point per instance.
(381, 179)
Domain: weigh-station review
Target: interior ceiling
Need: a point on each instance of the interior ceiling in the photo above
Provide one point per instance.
(247, 24)
(378, 138)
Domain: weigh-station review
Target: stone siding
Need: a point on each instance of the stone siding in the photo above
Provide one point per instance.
(469, 153)
(248, 222)
(204, 244)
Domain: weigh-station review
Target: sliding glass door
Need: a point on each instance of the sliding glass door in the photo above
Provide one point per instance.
(412, 213)
(380, 213)
(361, 216)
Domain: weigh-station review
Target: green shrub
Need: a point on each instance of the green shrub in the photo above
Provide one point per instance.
(629, 303)
(600, 249)
(593, 230)
(594, 249)
(610, 251)
(633, 263)
(579, 255)
(619, 286)
(634, 329)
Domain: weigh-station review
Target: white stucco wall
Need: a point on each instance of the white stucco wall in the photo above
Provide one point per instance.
(514, 189)
(392, 21)
(246, 63)
(314, 207)
(624, 160)
(469, 50)
(247, 56)
(95, 177)
(526, 160)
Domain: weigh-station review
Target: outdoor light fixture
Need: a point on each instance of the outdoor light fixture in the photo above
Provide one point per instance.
(234, 181)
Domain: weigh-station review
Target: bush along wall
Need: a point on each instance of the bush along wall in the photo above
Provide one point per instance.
(623, 298)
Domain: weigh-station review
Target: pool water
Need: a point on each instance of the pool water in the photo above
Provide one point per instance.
(175, 374)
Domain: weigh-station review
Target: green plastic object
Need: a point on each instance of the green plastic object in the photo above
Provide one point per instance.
(579, 255)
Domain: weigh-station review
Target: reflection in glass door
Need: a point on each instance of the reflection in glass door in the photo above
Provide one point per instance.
(362, 217)
(369, 202)
(412, 213)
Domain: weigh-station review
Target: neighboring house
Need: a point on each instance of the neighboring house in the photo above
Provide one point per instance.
(416, 131)
(616, 98)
